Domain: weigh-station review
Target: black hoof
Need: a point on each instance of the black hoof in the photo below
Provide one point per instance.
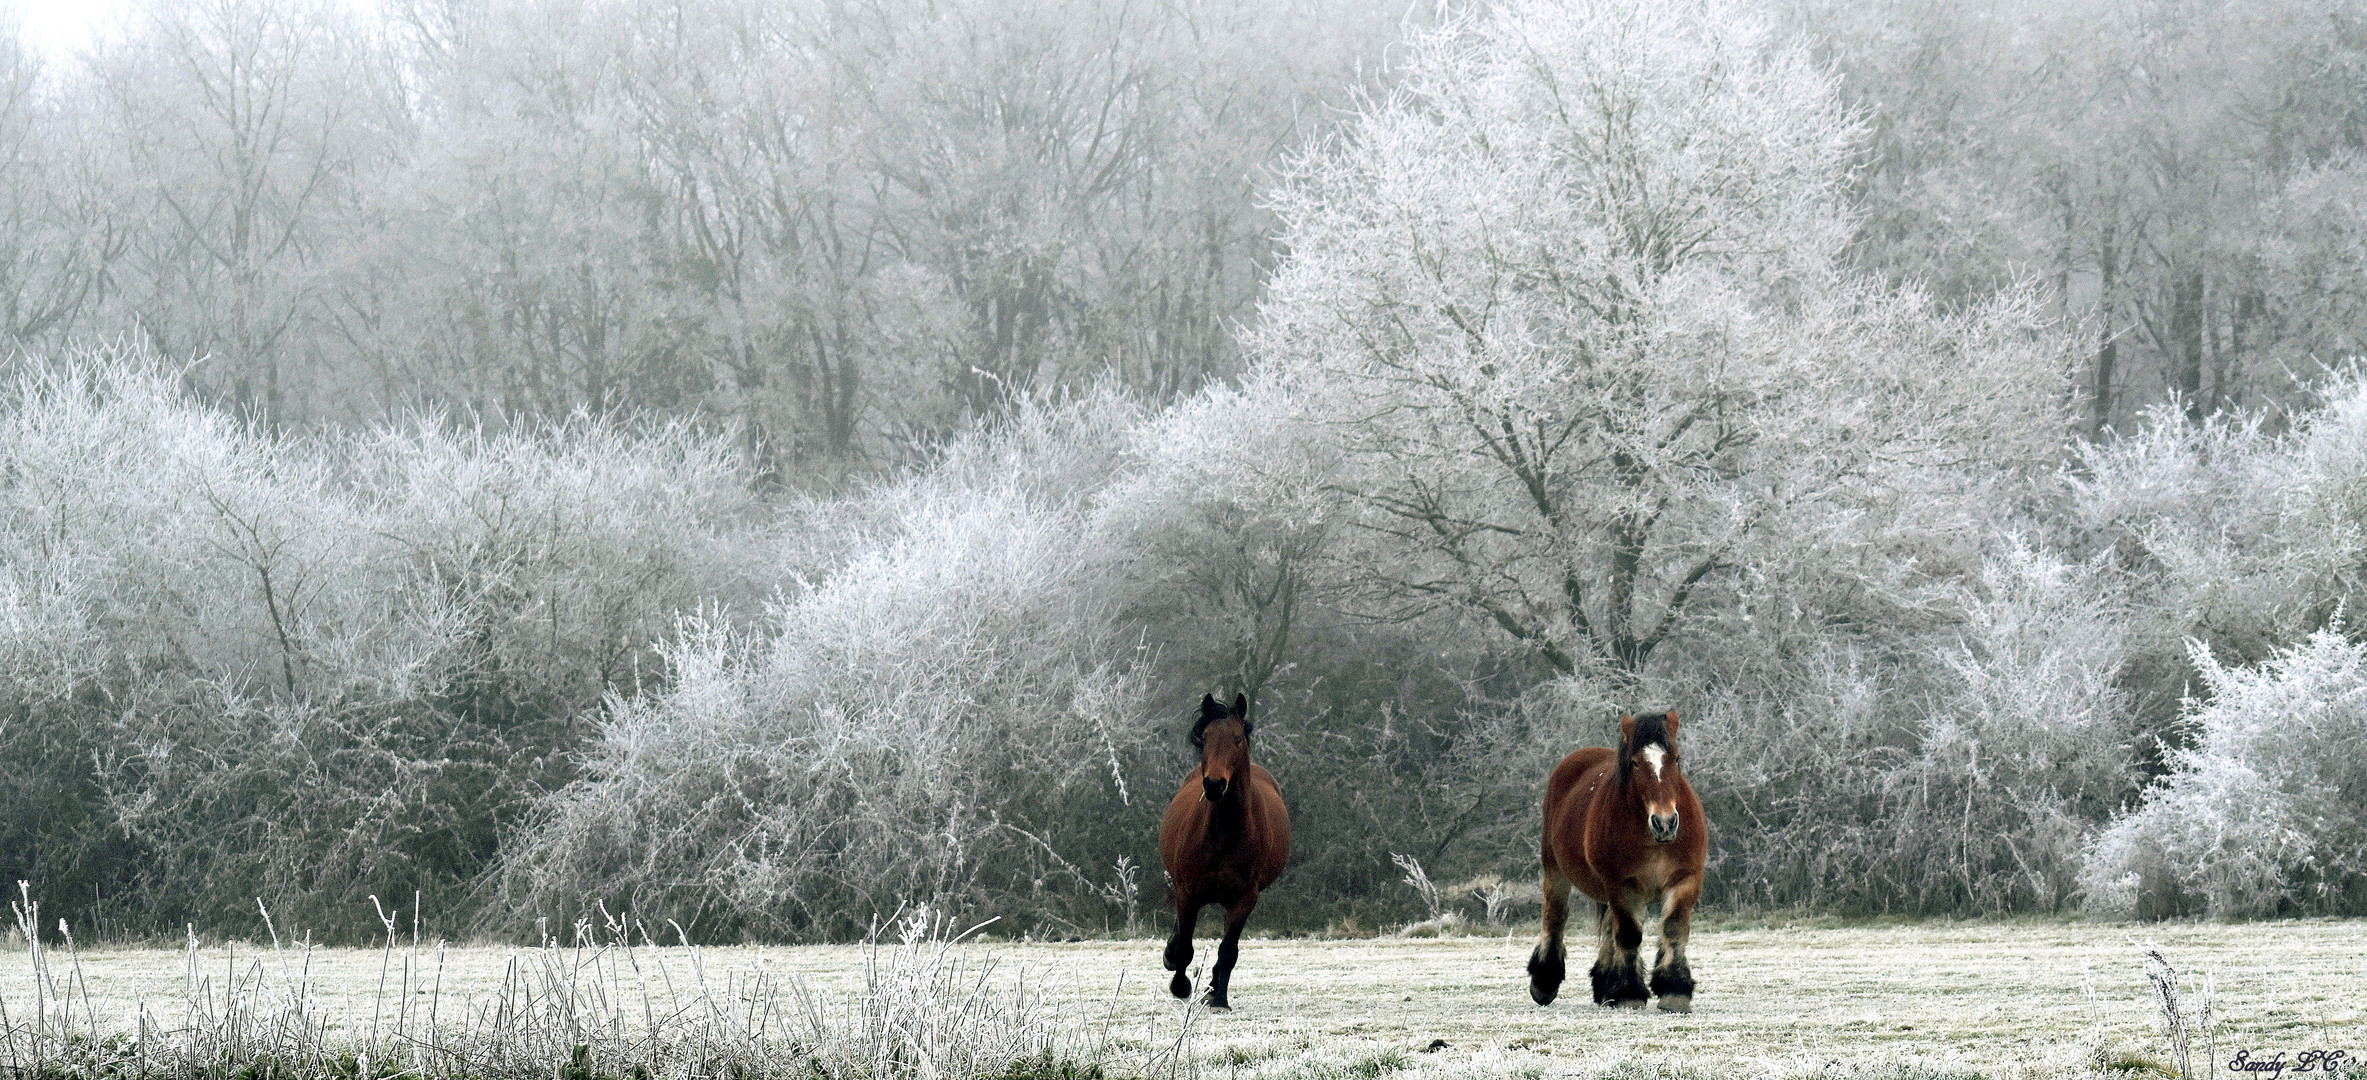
(1620, 987)
(1215, 1002)
(1673, 982)
(1181, 986)
(1545, 977)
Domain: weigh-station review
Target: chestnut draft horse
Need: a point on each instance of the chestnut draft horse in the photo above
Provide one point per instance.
(1625, 828)
(1225, 838)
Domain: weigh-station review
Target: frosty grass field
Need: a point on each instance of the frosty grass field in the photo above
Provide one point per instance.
(1999, 999)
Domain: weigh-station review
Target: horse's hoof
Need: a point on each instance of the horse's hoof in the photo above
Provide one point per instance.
(1545, 977)
(1676, 1003)
(1218, 1004)
(1181, 986)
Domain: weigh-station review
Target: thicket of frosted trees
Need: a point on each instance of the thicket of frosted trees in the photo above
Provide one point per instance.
(821, 474)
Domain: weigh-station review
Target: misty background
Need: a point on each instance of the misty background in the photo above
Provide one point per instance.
(764, 462)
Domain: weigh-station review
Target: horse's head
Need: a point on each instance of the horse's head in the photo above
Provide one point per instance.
(1648, 770)
(1223, 738)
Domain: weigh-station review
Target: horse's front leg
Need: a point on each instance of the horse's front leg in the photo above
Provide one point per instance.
(1229, 951)
(1545, 962)
(1672, 980)
(1179, 947)
(1618, 970)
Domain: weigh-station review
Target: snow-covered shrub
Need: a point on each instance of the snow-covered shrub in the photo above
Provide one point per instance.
(197, 546)
(2267, 812)
(1226, 517)
(2028, 746)
(2246, 532)
(307, 668)
(2200, 512)
(947, 717)
(2314, 258)
(1956, 770)
(559, 557)
(182, 588)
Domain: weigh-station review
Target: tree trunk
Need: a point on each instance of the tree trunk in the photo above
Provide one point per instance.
(2249, 308)
(2108, 345)
(2186, 342)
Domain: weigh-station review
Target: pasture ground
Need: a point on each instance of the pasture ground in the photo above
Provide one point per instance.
(1917, 1000)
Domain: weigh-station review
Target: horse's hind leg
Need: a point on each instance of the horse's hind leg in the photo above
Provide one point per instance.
(1179, 948)
(1229, 951)
(1618, 974)
(1545, 963)
(1672, 980)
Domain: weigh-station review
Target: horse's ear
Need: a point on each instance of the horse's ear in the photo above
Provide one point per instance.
(1627, 731)
(1672, 723)
(1241, 706)
(1209, 709)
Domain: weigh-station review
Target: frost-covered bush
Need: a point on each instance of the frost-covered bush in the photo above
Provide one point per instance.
(186, 595)
(192, 544)
(559, 557)
(2247, 532)
(1227, 516)
(1957, 770)
(2200, 511)
(949, 716)
(234, 664)
(2266, 813)
(2314, 259)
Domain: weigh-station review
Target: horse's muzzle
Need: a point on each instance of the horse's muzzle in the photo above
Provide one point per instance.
(1213, 787)
(1664, 829)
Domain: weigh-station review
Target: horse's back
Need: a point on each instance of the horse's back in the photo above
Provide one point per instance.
(1567, 775)
(1565, 801)
(1568, 793)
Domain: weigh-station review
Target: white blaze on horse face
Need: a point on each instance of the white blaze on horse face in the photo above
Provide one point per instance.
(1653, 755)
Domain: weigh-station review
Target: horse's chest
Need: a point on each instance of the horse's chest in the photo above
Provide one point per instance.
(1233, 850)
(1651, 874)
(1626, 866)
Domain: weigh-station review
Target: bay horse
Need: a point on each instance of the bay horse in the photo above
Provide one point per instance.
(1225, 838)
(1625, 828)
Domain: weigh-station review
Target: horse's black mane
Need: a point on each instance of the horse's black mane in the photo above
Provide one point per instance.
(1651, 729)
(1210, 712)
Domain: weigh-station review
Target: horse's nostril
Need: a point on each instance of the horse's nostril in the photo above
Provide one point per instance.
(1213, 787)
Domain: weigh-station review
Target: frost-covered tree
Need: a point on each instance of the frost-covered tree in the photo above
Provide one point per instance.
(1570, 306)
(56, 239)
(2136, 156)
(2314, 264)
(236, 121)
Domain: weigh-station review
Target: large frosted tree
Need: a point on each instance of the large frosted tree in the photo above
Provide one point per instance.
(238, 122)
(1571, 307)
